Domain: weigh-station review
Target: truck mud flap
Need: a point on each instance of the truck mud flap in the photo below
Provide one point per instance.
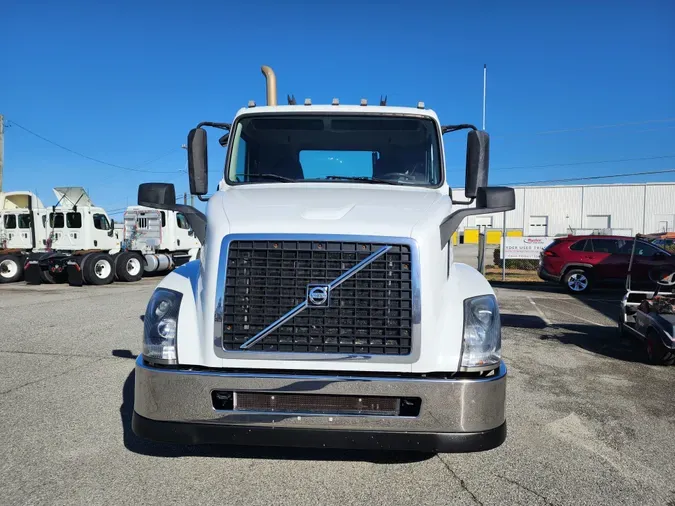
(31, 271)
(74, 270)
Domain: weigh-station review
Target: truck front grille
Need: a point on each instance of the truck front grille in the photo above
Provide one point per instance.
(370, 313)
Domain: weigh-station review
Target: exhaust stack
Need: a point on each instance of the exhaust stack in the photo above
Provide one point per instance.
(271, 79)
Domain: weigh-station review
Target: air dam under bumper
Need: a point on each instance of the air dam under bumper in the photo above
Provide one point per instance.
(456, 415)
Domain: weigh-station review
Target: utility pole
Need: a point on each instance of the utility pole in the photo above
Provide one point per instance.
(484, 91)
(184, 199)
(2, 147)
(192, 200)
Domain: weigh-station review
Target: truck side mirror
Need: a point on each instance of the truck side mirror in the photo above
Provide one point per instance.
(111, 232)
(496, 198)
(477, 162)
(157, 195)
(197, 161)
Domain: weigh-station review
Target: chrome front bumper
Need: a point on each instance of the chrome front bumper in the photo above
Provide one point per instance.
(455, 414)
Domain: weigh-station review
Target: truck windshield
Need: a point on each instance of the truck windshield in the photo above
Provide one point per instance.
(334, 148)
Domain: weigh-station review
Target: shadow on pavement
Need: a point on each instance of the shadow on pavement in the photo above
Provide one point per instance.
(603, 341)
(155, 449)
(598, 339)
(522, 321)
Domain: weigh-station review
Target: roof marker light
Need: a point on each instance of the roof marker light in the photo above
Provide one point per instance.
(308, 101)
(336, 101)
(251, 103)
(420, 105)
(364, 101)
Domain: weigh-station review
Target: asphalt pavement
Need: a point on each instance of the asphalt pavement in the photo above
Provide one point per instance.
(589, 422)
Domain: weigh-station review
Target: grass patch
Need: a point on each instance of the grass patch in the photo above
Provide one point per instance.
(512, 275)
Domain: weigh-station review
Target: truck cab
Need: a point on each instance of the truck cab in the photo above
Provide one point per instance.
(149, 230)
(326, 308)
(75, 224)
(19, 210)
(22, 230)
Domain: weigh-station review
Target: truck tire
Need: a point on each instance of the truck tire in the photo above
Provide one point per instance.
(577, 281)
(98, 269)
(11, 268)
(129, 267)
(657, 353)
(50, 278)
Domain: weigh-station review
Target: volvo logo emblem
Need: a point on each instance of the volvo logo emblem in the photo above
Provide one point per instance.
(317, 295)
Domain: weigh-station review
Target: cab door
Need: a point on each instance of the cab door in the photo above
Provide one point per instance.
(100, 231)
(185, 237)
(56, 230)
(24, 232)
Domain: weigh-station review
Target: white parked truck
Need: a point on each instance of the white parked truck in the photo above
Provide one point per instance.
(22, 230)
(75, 241)
(326, 308)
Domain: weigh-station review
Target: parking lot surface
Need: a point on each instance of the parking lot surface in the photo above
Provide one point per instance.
(589, 422)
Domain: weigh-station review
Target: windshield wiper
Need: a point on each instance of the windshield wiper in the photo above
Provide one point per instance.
(364, 179)
(276, 177)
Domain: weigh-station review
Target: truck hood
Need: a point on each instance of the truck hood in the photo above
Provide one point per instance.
(335, 208)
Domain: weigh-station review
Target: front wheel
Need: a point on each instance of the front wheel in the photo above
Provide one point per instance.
(577, 281)
(11, 269)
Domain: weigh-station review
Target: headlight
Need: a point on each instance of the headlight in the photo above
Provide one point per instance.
(160, 326)
(482, 345)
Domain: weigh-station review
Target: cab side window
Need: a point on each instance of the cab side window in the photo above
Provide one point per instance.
(10, 221)
(101, 222)
(73, 220)
(24, 221)
(181, 221)
(56, 220)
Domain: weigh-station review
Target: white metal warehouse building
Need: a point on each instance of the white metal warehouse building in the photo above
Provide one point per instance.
(618, 209)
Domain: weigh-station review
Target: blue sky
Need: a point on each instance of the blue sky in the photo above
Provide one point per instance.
(124, 83)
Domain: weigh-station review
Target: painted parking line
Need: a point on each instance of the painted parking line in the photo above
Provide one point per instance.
(541, 313)
(573, 316)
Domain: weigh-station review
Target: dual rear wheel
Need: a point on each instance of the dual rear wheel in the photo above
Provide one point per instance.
(101, 268)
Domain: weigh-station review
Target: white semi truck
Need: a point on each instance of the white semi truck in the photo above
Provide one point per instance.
(326, 308)
(76, 241)
(22, 230)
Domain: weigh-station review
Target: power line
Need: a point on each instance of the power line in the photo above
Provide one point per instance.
(589, 178)
(597, 127)
(120, 210)
(589, 162)
(122, 167)
(584, 128)
(153, 160)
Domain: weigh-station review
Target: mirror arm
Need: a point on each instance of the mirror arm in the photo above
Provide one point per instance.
(454, 128)
(203, 198)
(222, 126)
(451, 223)
(460, 202)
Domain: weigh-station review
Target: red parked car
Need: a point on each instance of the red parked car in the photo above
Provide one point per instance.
(581, 262)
